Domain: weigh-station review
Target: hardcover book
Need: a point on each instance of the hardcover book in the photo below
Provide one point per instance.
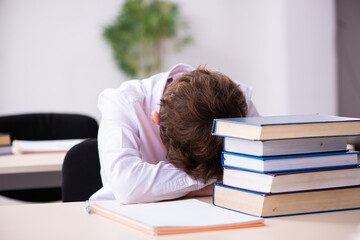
(290, 162)
(285, 146)
(292, 181)
(271, 205)
(5, 149)
(287, 126)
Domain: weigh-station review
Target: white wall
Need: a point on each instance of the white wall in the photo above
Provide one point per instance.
(283, 49)
(52, 55)
(53, 58)
(311, 56)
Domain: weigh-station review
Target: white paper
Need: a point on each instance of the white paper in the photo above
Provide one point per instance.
(181, 213)
(44, 145)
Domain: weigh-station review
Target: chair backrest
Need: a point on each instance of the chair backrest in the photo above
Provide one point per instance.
(45, 126)
(81, 172)
(48, 126)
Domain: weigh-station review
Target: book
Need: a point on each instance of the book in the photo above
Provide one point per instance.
(283, 204)
(287, 126)
(292, 181)
(5, 149)
(5, 139)
(285, 146)
(289, 162)
(177, 216)
(43, 146)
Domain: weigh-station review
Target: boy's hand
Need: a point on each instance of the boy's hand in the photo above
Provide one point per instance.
(206, 191)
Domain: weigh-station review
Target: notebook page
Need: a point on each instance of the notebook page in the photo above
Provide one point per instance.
(180, 213)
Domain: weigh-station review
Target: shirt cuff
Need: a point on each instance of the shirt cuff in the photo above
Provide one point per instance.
(196, 184)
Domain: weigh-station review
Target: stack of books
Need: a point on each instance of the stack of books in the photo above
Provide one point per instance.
(5, 144)
(285, 165)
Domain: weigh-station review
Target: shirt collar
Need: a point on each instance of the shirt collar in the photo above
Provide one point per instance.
(175, 72)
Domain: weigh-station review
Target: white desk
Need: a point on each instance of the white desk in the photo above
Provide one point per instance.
(70, 221)
(30, 170)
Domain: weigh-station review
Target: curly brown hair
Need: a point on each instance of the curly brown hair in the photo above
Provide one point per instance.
(187, 109)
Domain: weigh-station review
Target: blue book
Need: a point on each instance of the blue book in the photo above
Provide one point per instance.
(289, 162)
(287, 126)
(284, 204)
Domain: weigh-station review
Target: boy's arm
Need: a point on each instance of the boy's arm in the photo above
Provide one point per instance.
(206, 191)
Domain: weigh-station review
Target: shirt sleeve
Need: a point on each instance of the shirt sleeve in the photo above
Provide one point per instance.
(131, 179)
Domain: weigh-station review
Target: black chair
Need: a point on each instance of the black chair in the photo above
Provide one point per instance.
(45, 126)
(81, 172)
(48, 126)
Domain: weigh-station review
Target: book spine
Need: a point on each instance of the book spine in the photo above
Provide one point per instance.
(267, 158)
(334, 190)
(284, 193)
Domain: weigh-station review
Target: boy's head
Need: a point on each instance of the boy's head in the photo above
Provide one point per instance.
(188, 107)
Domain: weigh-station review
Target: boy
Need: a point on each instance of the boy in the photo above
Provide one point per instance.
(155, 139)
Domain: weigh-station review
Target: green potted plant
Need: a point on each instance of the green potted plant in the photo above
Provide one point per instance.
(139, 33)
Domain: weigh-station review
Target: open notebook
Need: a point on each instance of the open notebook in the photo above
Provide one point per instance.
(173, 216)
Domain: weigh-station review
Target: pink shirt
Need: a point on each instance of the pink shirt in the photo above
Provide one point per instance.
(134, 168)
